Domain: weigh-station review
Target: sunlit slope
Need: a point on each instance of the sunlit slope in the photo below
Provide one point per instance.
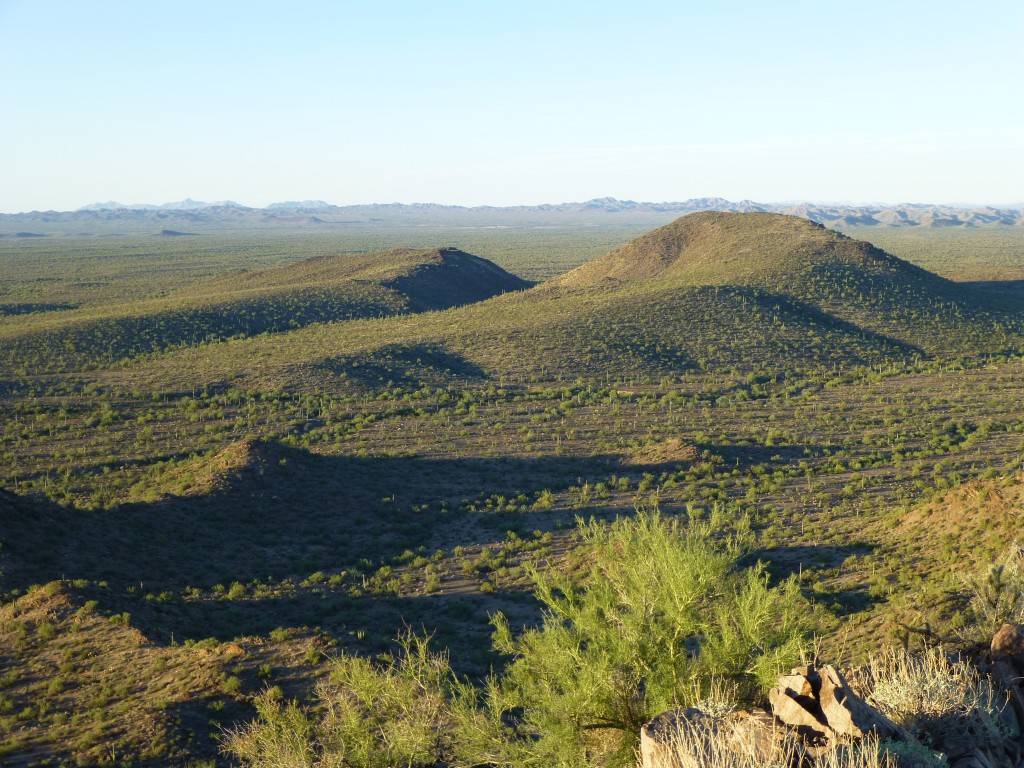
(248, 303)
(715, 248)
(803, 263)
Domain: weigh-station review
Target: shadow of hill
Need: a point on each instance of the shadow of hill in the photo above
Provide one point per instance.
(409, 365)
(28, 308)
(367, 624)
(1011, 288)
(746, 456)
(258, 510)
(785, 561)
(788, 560)
(731, 323)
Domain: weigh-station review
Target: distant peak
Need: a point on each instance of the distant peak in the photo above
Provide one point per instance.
(306, 205)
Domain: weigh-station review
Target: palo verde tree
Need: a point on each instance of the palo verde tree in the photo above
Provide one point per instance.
(663, 613)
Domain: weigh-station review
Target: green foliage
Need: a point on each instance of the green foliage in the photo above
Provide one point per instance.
(282, 737)
(663, 613)
(377, 715)
(997, 594)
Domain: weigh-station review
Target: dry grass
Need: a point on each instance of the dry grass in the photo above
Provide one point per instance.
(936, 698)
(730, 742)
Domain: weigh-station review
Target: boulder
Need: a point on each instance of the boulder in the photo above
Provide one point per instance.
(1005, 665)
(657, 738)
(1008, 643)
(979, 759)
(822, 707)
(801, 713)
(849, 715)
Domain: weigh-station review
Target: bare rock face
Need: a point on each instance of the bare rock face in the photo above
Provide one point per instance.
(849, 715)
(1005, 665)
(803, 714)
(822, 707)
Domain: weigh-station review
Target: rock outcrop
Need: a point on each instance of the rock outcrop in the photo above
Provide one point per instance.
(822, 707)
(815, 711)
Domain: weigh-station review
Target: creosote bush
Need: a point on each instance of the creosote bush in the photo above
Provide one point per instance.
(663, 613)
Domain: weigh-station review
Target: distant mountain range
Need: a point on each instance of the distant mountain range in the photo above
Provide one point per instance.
(197, 216)
(187, 204)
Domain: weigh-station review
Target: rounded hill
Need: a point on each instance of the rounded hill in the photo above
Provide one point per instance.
(248, 303)
(417, 279)
(749, 292)
(798, 277)
(720, 248)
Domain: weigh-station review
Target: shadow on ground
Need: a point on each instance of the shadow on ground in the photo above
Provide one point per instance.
(262, 510)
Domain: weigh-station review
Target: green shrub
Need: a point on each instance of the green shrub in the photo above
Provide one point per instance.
(665, 618)
(237, 591)
(663, 613)
(231, 685)
(997, 594)
(376, 715)
(282, 737)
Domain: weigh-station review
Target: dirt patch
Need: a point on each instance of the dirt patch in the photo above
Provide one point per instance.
(672, 451)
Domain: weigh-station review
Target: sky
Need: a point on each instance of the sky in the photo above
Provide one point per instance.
(510, 103)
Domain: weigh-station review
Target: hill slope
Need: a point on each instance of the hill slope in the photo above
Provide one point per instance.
(714, 248)
(712, 291)
(420, 279)
(322, 289)
(796, 271)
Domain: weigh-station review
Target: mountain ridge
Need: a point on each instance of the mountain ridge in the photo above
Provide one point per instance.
(191, 214)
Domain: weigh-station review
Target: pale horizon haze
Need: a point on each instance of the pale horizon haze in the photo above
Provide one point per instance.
(500, 103)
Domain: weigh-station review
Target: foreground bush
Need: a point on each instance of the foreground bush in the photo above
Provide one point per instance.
(720, 742)
(996, 595)
(394, 713)
(663, 614)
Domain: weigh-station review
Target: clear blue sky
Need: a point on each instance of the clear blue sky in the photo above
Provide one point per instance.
(504, 103)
